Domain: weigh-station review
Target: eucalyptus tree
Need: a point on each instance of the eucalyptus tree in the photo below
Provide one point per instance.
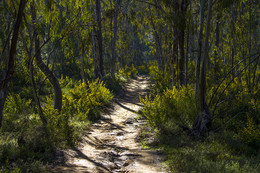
(7, 73)
(44, 68)
(115, 28)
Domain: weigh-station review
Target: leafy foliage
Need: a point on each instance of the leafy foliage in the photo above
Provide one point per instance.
(160, 81)
(250, 134)
(128, 72)
(82, 104)
(84, 100)
(173, 108)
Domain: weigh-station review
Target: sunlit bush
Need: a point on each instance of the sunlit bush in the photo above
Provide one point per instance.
(84, 100)
(174, 106)
(128, 72)
(159, 80)
(81, 103)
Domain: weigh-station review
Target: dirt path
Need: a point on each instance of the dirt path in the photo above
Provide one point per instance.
(111, 144)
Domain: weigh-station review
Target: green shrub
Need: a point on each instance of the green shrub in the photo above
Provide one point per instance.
(85, 100)
(116, 84)
(16, 105)
(16, 111)
(160, 81)
(81, 103)
(173, 107)
(128, 72)
(250, 134)
(236, 102)
(143, 70)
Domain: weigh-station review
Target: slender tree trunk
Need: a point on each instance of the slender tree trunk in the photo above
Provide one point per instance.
(203, 103)
(36, 98)
(175, 56)
(203, 122)
(216, 68)
(100, 72)
(35, 95)
(82, 65)
(157, 43)
(199, 47)
(44, 68)
(94, 51)
(183, 9)
(234, 44)
(113, 69)
(182, 58)
(7, 76)
(187, 59)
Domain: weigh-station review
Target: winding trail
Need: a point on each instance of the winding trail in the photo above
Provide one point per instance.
(110, 145)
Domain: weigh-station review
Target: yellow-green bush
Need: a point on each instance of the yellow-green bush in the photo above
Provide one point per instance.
(159, 80)
(174, 106)
(81, 104)
(15, 104)
(128, 72)
(85, 100)
(250, 134)
(142, 69)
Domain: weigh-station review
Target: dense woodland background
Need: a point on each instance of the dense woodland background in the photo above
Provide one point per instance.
(63, 61)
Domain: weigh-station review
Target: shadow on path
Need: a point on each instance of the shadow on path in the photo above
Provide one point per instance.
(131, 110)
(82, 155)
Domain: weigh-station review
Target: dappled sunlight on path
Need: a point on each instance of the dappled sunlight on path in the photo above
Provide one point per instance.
(110, 145)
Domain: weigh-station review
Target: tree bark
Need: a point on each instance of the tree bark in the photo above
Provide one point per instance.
(203, 103)
(199, 47)
(157, 43)
(99, 73)
(82, 66)
(8, 74)
(113, 69)
(183, 9)
(216, 67)
(203, 122)
(44, 68)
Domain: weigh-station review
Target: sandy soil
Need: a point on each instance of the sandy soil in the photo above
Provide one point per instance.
(110, 145)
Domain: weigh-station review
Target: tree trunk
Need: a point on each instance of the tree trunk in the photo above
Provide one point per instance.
(182, 58)
(113, 69)
(100, 71)
(82, 65)
(35, 95)
(44, 68)
(199, 47)
(8, 74)
(183, 9)
(157, 43)
(234, 45)
(203, 122)
(216, 67)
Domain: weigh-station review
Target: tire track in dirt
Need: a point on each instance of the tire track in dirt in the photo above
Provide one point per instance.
(110, 145)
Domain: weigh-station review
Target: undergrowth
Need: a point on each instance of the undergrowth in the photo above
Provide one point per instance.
(27, 146)
(233, 143)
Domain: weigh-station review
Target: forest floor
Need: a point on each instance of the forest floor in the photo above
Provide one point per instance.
(111, 143)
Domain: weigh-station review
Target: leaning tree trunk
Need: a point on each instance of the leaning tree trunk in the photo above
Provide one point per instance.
(44, 68)
(203, 122)
(6, 76)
